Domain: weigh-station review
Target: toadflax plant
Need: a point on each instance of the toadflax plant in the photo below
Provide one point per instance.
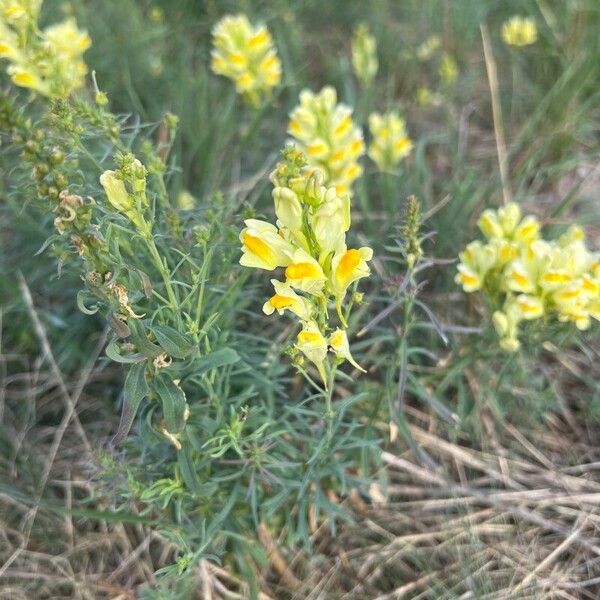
(213, 442)
(309, 243)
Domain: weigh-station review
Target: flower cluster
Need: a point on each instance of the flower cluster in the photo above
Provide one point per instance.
(390, 142)
(531, 277)
(325, 132)
(245, 54)
(432, 55)
(309, 242)
(519, 31)
(47, 61)
(364, 54)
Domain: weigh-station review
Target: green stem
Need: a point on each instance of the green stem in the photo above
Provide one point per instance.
(158, 262)
(329, 414)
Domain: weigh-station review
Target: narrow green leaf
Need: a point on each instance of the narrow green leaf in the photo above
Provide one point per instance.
(173, 343)
(81, 297)
(218, 358)
(141, 341)
(173, 402)
(113, 352)
(136, 389)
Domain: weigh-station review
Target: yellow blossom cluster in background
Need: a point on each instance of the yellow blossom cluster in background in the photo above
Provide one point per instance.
(326, 134)
(530, 277)
(431, 51)
(364, 54)
(309, 243)
(519, 31)
(246, 55)
(48, 61)
(390, 142)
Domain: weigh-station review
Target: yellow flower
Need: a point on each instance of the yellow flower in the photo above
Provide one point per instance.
(115, 191)
(246, 55)
(331, 221)
(475, 262)
(16, 11)
(285, 298)
(305, 273)
(506, 325)
(364, 54)
(348, 266)
(313, 345)
(28, 79)
(327, 135)
(390, 142)
(263, 247)
(519, 278)
(427, 49)
(505, 223)
(519, 31)
(448, 70)
(288, 208)
(47, 61)
(529, 307)
(338, 342)
(66, 40)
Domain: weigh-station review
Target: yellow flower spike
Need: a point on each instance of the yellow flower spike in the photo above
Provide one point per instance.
(263, 247)
(364, 54)
(390, 140)
(285, 298)
(313, 345)
(305, 273)
(448, 69)
(338, 342)
(519, 31)
(246, 55)
(326, 133)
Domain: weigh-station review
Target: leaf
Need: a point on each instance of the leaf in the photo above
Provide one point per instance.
(136, 389)
(81, 296)
(141, 341)
(173, 402)
(218, 358)
(119, 327)
(146, 284)
(113, 352)
(173, 343)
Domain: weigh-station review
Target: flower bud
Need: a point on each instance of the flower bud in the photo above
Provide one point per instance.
(115, 192)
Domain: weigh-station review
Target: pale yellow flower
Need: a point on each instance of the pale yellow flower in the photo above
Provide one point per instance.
(245, 54)
(390, 141)
(263, 247)
(338, 342)
(519, 31)
(313, 345)
(328, 137)
(364, 54)
(285, 298)
(305, 273)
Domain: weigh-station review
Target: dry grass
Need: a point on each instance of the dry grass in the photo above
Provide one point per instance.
(516, 516)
